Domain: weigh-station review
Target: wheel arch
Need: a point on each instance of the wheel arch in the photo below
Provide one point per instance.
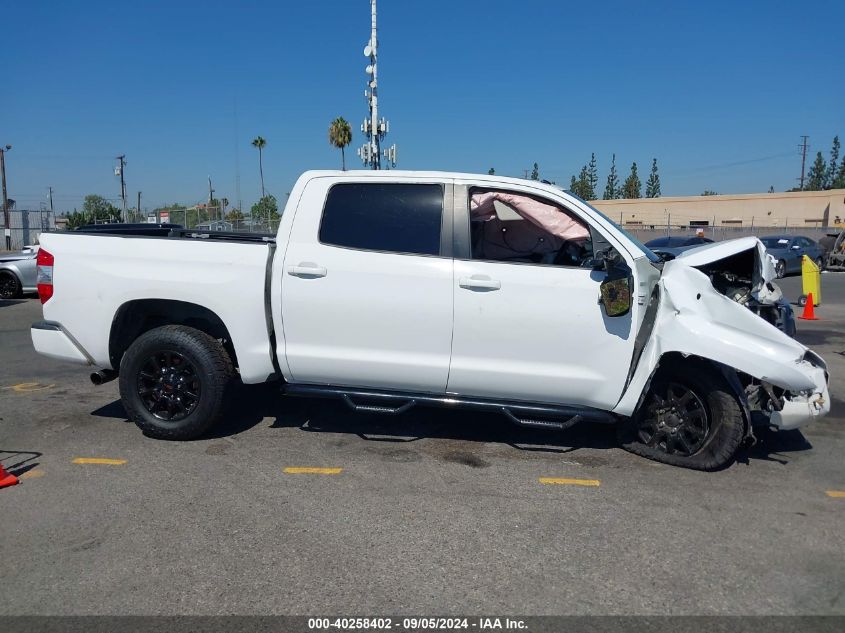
(732, 377)
(134, 318)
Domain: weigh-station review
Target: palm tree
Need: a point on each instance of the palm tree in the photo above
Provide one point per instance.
(260, 143)
(340, 135)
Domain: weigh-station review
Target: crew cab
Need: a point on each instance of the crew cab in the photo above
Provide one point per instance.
(395, 289)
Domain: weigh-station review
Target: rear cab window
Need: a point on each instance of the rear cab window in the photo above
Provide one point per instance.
(403, 218)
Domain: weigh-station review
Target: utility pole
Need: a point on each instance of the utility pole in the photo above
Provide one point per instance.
(6, 225)
(374, 129)
(804, 148)
(122, 159)
(43, 228)
(210, 197)
(51, 199)
(139, 205)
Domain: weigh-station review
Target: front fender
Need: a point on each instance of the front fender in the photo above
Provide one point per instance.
(694, 319)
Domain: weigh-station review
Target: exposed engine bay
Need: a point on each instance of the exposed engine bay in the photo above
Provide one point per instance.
(743, 279)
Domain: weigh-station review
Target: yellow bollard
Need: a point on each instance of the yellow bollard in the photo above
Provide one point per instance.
(811, 281)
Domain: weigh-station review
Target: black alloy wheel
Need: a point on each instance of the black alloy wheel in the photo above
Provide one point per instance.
(690, 416)
(9, 286)
(173, 382)
(168, 386)
(675, 421)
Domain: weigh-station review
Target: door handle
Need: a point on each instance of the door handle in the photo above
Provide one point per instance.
(479, 282)
(309, 270)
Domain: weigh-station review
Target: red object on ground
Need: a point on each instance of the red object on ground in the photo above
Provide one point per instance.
(6, 479)
(809, 309)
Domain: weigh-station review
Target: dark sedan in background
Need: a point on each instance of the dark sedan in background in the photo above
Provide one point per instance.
(670, 247)
(788, 251)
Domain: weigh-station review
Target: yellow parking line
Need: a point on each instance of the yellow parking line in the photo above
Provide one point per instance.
(99, 460)
(310, 470)
(26, 387)
(32, 474)
(836, 494)
(569, 482)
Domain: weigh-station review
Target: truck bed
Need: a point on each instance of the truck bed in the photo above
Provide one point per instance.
(98, 275)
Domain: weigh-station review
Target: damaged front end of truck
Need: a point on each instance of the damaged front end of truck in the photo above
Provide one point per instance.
(717, 306)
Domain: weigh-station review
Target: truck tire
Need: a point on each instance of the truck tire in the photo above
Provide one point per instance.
(689, 418)
(173, 380)
(10, 286)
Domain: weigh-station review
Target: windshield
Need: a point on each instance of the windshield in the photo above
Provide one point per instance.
(774, 242)
(645, 249)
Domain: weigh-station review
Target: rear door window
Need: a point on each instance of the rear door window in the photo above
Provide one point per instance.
(391, 217)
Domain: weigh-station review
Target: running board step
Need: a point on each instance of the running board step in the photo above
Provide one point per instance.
(547, 416)
(374, 408)
(556, 425)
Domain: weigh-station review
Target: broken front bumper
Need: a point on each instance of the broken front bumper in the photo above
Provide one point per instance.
(802, 408)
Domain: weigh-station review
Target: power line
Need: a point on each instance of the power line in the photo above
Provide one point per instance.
(737, 163)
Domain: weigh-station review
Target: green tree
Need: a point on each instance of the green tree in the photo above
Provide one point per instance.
(815, 179)
(581, 186)
(839, 182)
(632, 187)
(260, 143)
(652, 186)
(535, 173)
(340, 135)
(709, 192)
(75, 220)
(265, 210)
(98, 208)
(592, 178)
(491, 171)
(832, 171)
(611, 189)
(235, 215)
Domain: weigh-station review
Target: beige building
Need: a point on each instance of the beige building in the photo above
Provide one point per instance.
(792, 210)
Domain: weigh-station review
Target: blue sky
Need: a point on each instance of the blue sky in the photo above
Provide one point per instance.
(719, 92)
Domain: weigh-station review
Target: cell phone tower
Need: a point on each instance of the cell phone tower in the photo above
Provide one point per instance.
(374, 129)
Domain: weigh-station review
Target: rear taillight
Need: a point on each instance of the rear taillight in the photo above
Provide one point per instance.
(45, 275)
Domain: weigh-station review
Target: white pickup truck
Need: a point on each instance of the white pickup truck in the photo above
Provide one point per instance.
(394, 289)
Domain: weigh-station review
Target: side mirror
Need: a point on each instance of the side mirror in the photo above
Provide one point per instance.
(616, 295)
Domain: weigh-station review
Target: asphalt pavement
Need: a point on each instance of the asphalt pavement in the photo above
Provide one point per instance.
(302, 507)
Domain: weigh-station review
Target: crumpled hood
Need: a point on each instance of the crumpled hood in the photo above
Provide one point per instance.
(694, 318)
(762, 273)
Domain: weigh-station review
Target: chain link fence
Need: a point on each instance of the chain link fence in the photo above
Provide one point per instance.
(25, 226)
(646, 232)
(208, 219)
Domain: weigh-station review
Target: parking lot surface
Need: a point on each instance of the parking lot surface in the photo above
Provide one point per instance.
(303, 507)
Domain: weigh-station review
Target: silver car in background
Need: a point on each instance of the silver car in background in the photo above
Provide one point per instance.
(18, 272)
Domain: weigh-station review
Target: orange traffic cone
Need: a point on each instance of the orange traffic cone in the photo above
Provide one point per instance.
(809, 310)
(6, 479)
